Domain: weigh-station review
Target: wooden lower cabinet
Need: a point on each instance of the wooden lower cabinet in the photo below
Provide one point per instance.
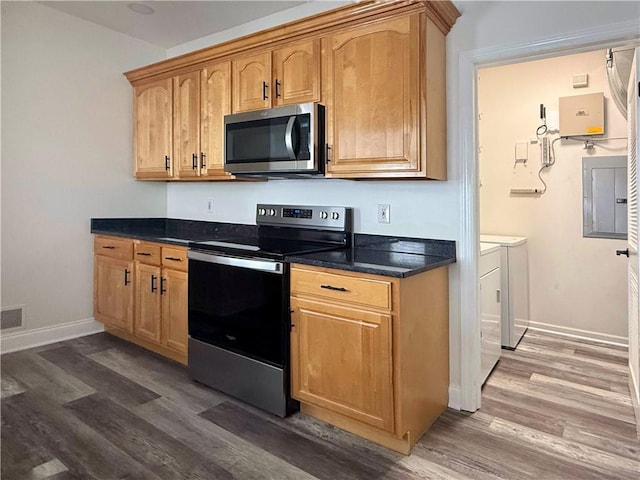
(113, 292)
(174, 310)
(151, 309)
(147, 319)
(354, 346)
(378, 369)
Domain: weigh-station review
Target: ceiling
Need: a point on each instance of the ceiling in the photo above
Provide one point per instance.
(173, 22)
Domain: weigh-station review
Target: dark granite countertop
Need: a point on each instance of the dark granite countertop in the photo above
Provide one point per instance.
(376, 254)
(170, 230)
(380, 255)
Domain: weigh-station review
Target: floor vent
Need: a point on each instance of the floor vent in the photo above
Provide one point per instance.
(11, 317)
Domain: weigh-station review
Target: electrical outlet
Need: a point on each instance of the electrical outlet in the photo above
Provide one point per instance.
(209, 205)
(384, 213)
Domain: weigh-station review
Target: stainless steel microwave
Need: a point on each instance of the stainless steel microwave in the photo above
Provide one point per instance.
(287, 141)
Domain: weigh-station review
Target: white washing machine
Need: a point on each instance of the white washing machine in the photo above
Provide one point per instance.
(514, 287)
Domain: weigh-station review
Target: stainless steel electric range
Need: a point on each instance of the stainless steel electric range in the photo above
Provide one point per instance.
(239, 301)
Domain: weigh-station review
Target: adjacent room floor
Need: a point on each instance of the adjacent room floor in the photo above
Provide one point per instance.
(98, 407)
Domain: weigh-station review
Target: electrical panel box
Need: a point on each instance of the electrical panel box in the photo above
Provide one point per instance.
(604, 183)
(582, 115)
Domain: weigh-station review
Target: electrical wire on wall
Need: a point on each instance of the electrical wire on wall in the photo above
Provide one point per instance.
(590, 143)
(551, 161)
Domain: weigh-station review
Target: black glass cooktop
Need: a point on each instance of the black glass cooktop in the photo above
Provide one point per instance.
(276, 248)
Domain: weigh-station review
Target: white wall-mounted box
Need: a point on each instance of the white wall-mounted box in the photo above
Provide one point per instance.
(582, 115)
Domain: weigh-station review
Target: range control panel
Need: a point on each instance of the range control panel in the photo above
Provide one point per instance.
(326, 218)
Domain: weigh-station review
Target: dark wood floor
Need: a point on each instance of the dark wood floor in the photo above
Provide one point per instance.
(97, 407)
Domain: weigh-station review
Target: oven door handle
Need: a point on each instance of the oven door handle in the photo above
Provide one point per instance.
(250, 263)
(288, 137)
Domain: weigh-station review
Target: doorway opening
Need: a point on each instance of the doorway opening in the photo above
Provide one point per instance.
(469, 65)
(552, 197)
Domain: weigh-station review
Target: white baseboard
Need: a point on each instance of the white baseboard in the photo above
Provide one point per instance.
(23, 339)
(455, 397)
(580, 334)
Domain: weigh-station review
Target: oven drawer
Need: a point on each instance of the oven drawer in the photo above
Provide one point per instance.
(113, 247)
(175, 258)
(335, 286)
(147, 253)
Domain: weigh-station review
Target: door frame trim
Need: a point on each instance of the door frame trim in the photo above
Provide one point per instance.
(466, 149)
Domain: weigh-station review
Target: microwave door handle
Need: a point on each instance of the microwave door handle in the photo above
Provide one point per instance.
(288, 137)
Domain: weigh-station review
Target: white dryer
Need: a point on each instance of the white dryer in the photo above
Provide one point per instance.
(514, 287)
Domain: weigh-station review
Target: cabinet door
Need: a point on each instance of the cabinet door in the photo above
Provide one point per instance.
(215, 91)
(153, 129)
(252, 82)
(174, 309)
(113, 292)
(147, 319)
(490, 322)
(186, 124)
(341, 360)
(296, 72)
(372, 94)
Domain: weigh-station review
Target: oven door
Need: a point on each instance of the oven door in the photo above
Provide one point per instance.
(239, 304)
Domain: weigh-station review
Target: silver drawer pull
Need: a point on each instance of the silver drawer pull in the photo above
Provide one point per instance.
(265, 265)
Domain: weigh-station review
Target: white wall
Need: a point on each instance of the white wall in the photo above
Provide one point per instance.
(434, 206)
(577, 285)
(66, 155)
(311, 7)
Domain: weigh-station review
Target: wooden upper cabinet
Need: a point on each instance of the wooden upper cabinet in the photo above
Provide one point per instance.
(372, 96)
(201, 100)
(379, 68)
(289, 74)
(296, 73)
(153, 103)
(252, 82)
(215, 102)
(186, 124)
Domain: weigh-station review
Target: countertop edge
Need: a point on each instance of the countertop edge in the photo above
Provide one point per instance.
(145, 238)
(381, 270)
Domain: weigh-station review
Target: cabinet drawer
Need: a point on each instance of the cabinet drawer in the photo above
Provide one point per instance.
(175, 258)
(361, 291)
(147, 253)
(113, 247)
(488, 262)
